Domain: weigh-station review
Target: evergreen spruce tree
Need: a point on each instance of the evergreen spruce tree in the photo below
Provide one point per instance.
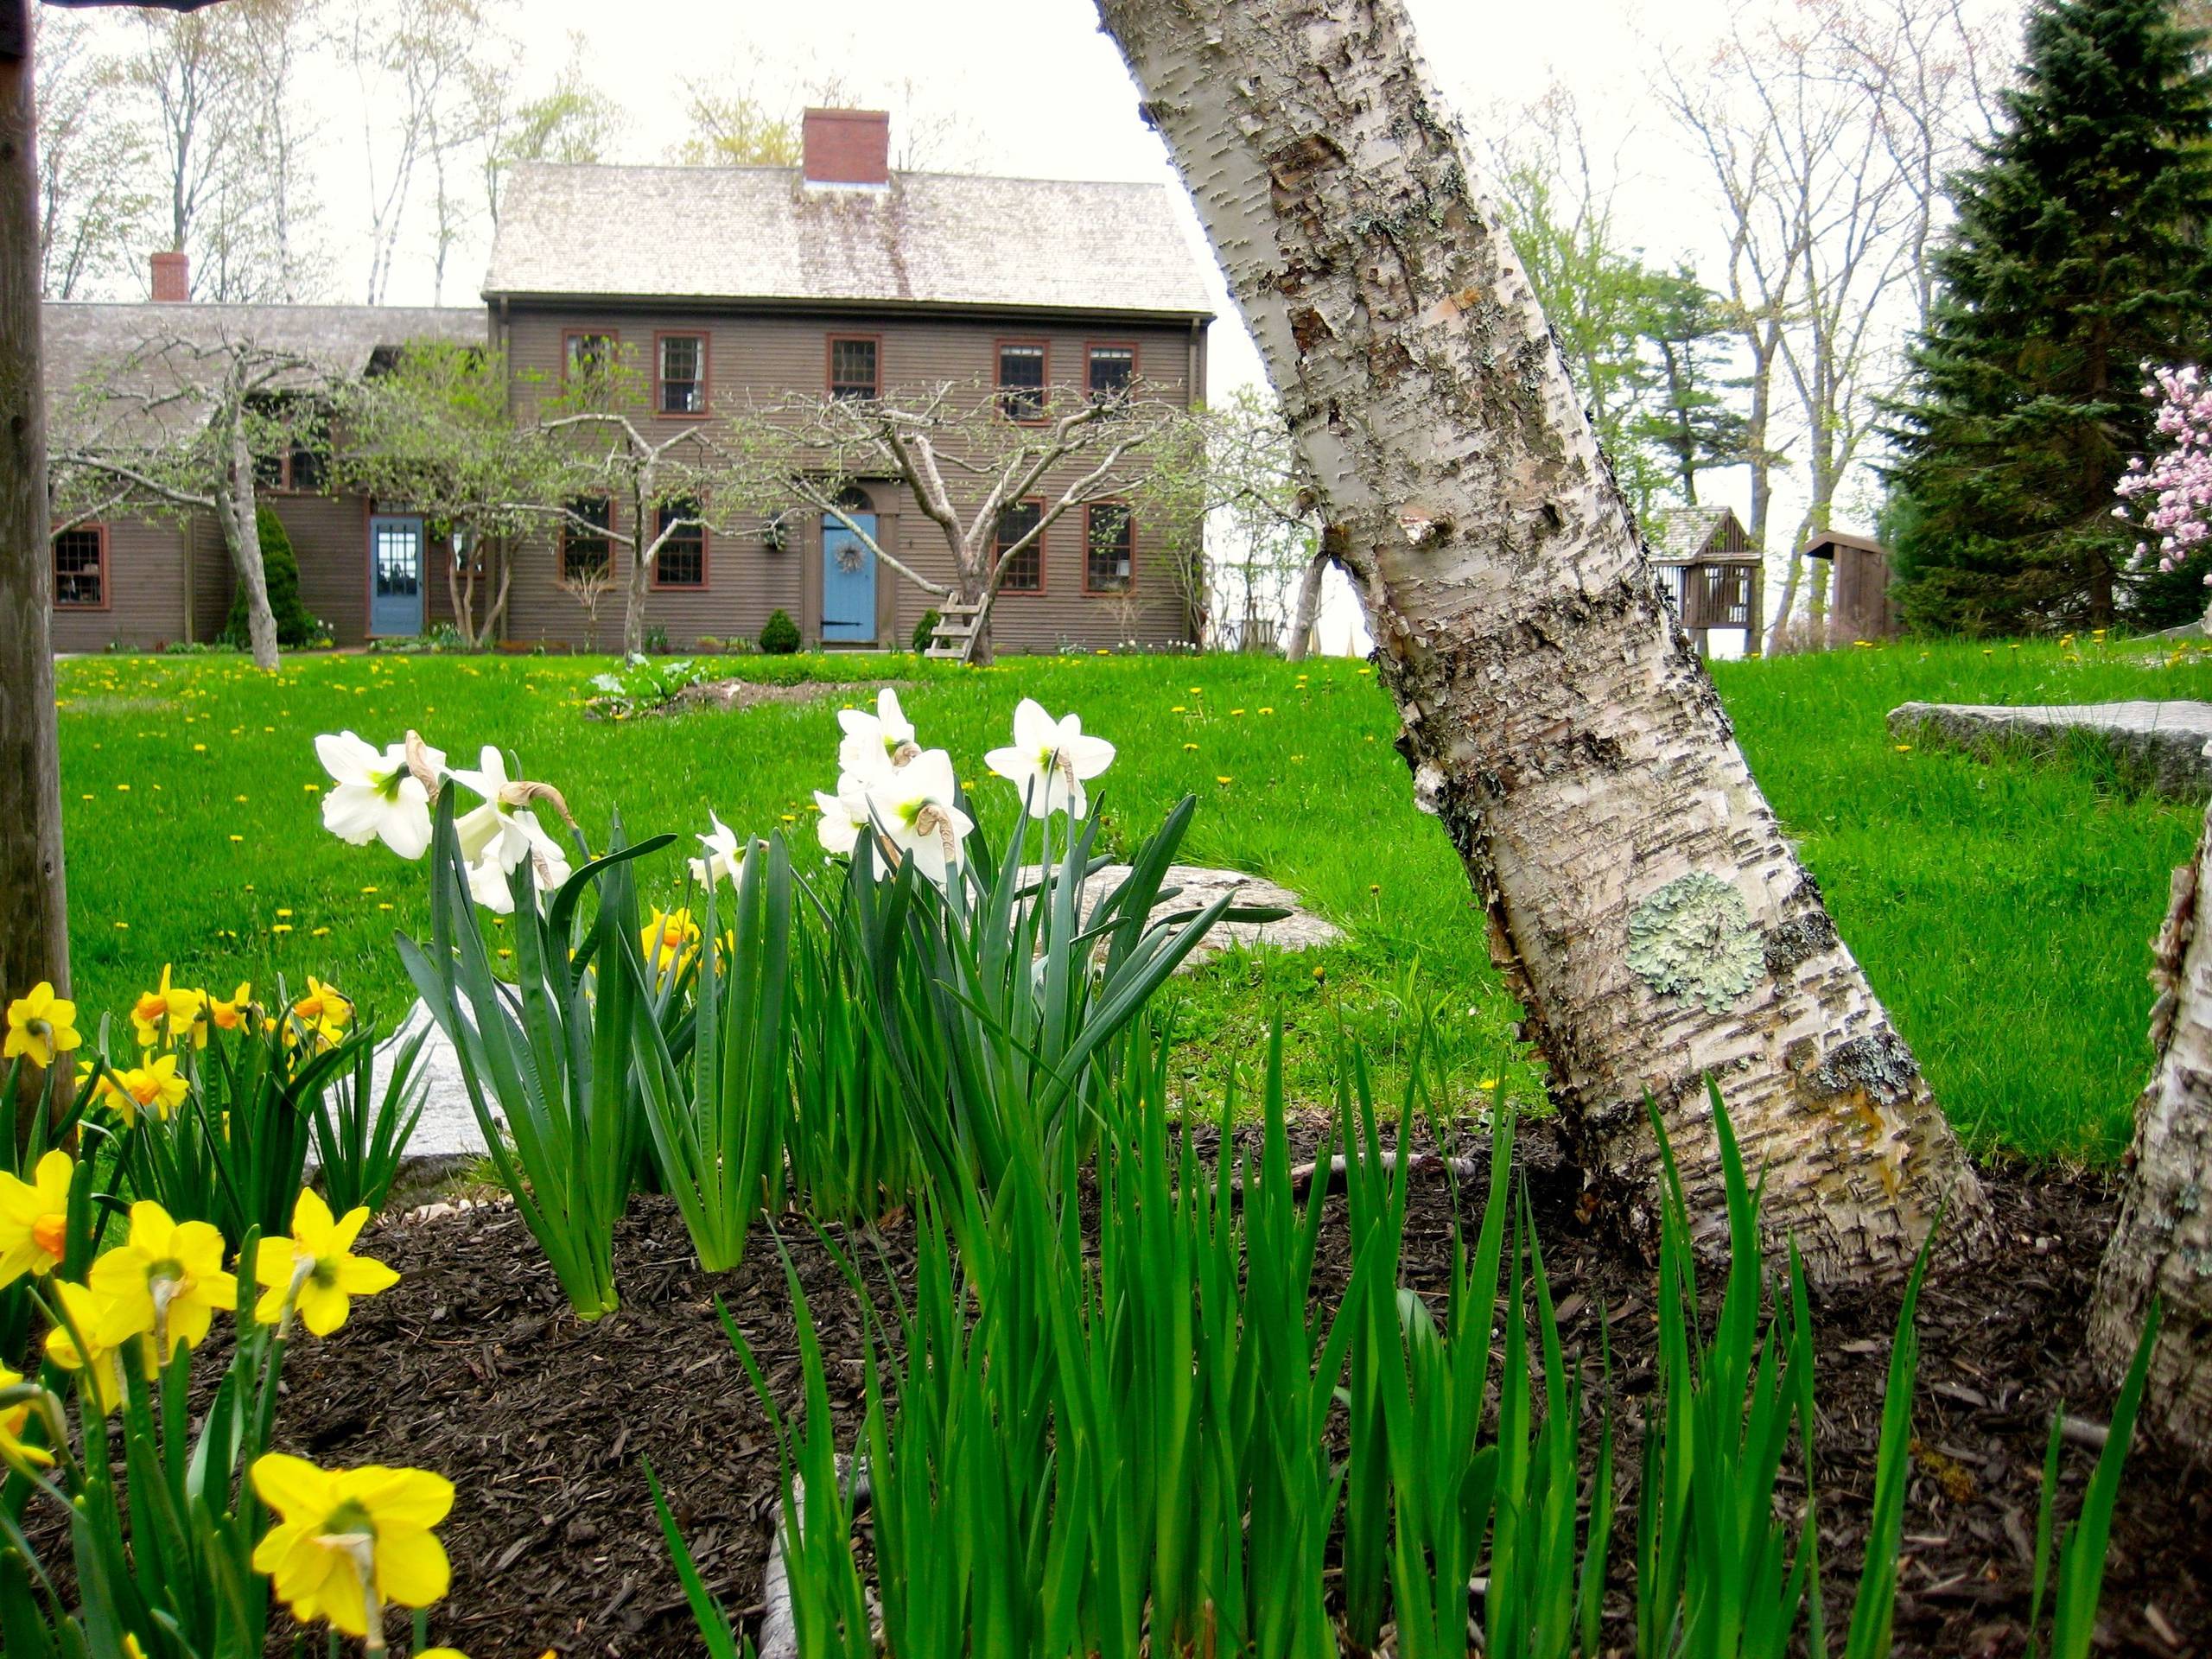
(2079, 253)
(294, 627)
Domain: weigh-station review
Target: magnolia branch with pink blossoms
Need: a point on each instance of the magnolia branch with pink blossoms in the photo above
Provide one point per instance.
(2179, 478)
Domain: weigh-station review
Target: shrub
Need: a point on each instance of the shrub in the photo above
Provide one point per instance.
(779, 635)
(294, 627)
(656, 641)
(925, 629)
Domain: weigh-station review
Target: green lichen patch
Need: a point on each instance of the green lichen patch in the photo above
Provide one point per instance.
(1694, 938)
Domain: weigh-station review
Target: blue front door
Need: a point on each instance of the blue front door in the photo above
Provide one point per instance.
(396, 574)
(848, 581)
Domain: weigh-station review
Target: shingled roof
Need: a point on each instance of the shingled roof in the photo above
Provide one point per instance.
(90, 342)
(930, 239)
(1687, 533)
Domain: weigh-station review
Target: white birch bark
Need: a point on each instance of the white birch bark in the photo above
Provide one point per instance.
(2162, 1246)
(1642, 902)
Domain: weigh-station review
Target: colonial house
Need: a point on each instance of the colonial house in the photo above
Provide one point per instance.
(726, 288)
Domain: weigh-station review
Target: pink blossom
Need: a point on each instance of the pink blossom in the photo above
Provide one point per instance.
(2178, 480)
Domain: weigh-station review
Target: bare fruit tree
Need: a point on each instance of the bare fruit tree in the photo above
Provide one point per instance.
(1642, 900)
(967, 460)
(174, 426)
(2161, 1249)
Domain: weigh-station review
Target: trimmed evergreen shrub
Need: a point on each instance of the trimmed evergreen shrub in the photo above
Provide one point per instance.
(294, 627)
(779, 635)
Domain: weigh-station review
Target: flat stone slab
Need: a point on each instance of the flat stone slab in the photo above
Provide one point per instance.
(2165, 740)
(1196, 885)
(448, 1138)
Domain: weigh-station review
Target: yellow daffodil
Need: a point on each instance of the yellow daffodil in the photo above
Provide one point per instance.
(352, 1541)
(34, 1218)
(323, 1013)
(39, 1026)
(154, 1086)
(167, 1277)
(230, 1014)
(99, 1365)
(669, 940)
(315, 1269)
(13, 1449)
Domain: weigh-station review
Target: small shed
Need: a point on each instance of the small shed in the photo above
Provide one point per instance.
(1710, 572)
(1858, 598)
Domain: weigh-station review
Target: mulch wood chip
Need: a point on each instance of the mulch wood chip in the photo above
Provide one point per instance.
(473, 1365)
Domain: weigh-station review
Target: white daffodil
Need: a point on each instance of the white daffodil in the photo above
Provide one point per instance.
(871, 742)
(1050, 759)
(914, 809)
(844, 816)
(382, 794)
(724, 856)
(498, 834)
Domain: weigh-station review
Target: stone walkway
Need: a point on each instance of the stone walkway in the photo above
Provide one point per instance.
(2166, 740)
(450, 1137)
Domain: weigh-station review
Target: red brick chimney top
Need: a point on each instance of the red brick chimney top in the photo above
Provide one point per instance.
(172, 278)
(846, 146)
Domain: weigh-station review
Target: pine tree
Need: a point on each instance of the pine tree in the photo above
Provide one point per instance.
(2079, 254)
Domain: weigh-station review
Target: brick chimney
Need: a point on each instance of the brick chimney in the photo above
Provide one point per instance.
(850, 147)
(172, 278)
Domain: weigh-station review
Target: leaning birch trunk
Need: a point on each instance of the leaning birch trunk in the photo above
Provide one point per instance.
(1642, 902)
(2162, 1246)
(236, 506)
(1308, 607)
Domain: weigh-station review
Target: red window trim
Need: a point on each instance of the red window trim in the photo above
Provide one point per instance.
(107, 590)
(1044, 577)
(1109, 592)
(1044, 387)
(706, 564)
(830, 344)
(612, 336)
(706, 374)
(569, 529)
(1137, 358)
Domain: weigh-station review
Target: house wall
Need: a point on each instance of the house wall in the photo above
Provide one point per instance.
(756, 359)
(146, 566)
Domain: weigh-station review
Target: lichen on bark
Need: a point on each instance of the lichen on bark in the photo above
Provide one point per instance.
(1694, 938)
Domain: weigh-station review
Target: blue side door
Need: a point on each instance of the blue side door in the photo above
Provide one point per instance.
(848, 583)
(396, 574)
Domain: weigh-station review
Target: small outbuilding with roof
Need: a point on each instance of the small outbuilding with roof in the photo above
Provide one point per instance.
(1710, 573)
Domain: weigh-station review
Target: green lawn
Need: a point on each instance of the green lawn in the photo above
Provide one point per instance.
(2004, 910)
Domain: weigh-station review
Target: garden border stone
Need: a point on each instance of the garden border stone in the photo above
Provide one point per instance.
(2165, 742)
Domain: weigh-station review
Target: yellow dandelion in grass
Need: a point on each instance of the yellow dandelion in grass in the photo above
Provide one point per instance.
(1366, 671)
(1222, 780)
(1375, 887)
(240, 799)
(123, 789)
(88, 797)
(1235, 713)
(123, 927)
(1180, 709)
(318, 932)
(1190, 748)
(384, 907)
(1265, 710)
(282, 927)
(368, 890)
(1197, 691)
(199, 749)
(237, 837)
(1904, 748)
(312, 789)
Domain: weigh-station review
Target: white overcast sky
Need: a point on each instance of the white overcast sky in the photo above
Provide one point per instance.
(1044, 93)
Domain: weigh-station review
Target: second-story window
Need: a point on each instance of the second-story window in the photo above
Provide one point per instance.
(587, 356)
(682, 562)
(1025, 573)
(853, 371)
(1021, 380)
(682, 375)
(585, 543)
(1112, 370)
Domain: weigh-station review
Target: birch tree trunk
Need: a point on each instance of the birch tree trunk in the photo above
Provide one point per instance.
(2162, 1246)
(235, 506)
(1642, 902)
(1308, 607)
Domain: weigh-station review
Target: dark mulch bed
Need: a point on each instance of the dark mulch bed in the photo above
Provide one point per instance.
(473, 1366)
